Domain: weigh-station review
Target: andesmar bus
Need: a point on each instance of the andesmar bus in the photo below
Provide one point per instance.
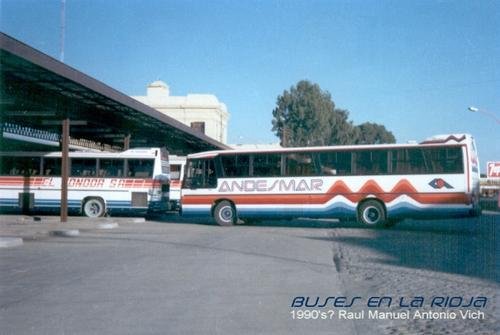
(378, 185)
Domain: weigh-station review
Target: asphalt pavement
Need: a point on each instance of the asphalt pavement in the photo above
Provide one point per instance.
(176, 276)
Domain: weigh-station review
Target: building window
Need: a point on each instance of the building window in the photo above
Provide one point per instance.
(198, 126)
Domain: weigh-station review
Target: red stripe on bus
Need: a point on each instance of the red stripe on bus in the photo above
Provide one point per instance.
(371, 187)
(31, 181)
(315, 199)
(468, 169)
(48, 181)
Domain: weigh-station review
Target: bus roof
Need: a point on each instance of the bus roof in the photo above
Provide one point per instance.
(450, 139)
(131, 153)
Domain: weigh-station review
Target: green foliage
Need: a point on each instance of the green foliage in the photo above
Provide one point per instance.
(306, 116)
(342, 132)
(301, 116)
(373, 133)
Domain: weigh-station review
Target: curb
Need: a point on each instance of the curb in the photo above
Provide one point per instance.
(112, 225)
(9, 242)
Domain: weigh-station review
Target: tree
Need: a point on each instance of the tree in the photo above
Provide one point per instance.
(342, 131)
(306, 116)
(373, 133)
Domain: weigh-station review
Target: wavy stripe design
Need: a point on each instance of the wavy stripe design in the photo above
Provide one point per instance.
(335, 210)
(370, 188)
(449, 138)
(339, 201)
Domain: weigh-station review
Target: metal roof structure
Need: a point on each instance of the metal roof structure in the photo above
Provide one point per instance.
(37, 92)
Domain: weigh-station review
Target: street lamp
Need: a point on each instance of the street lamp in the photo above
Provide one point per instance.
(477, 110)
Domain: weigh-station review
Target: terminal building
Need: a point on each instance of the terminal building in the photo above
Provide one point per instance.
(202, 112)
(38, 93)
(49, 106)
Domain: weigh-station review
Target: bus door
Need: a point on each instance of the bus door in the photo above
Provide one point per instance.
(200, 175)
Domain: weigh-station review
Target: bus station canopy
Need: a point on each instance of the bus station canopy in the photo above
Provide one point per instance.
(37, 92)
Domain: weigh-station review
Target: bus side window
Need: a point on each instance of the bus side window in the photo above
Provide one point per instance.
(83, 167)
(399, 162)
(236, 166)
(371, 162)
(211, 180)
(333, 163)
(51, 167)
(443, 160)
(4, 169)
(140, 168)
(363, 163)
(417, 161)
(267, 165)
(20, 166)
(453, 162)
(8, 166)
(111, 168)
(299, 164)
(31, 166)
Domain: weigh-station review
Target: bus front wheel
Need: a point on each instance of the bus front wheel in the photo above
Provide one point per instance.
(225, 214)
(372, 213)
(94, 207)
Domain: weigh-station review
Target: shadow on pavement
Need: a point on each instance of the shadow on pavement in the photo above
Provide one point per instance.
(458, 246)
(295, 223)
(467, 247)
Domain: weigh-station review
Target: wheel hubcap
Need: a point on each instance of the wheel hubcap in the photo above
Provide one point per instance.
(226, 213)
(93, 209)
(371, 215)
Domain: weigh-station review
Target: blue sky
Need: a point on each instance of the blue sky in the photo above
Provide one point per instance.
(414, 66)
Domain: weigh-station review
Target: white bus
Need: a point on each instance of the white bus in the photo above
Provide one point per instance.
(177, 164)
(134, 181)
(375, 184)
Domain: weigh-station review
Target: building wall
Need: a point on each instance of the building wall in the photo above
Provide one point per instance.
(188, 109)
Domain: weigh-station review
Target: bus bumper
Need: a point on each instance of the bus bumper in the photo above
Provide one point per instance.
(159, 206)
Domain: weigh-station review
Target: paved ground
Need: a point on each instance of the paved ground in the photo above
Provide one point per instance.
(172, 276)
(447, 258)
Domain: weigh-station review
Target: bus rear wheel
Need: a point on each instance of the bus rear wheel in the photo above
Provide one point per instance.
(372, 213)
(94, 207)
(225, 213)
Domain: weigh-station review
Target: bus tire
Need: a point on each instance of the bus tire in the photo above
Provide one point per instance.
(94, 207)
(372, 213)
(225, 213)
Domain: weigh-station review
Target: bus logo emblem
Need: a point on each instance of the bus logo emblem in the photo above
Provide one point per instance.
(439, 183)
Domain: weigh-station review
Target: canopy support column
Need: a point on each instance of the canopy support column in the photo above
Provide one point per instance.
(126, 142)
(64, 170)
